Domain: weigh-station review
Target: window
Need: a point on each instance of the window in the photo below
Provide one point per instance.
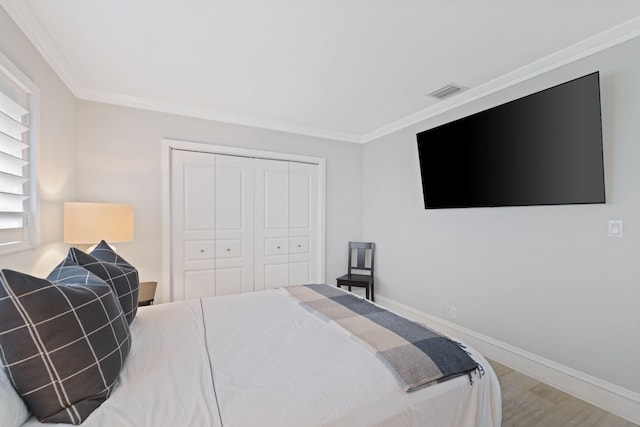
(18, 203)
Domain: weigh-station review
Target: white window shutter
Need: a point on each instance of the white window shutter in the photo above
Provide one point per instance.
(18, 110)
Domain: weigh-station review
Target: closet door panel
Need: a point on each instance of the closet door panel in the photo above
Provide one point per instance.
(276, 275)
(275, 182)
(199, 196)
(231, 177)
(276, 246)
(199, 283)
(229, 280)
(271, 223)
(229, 249)
(299, 197)
(199, 250)
(299, 273)
(299, 245)
(193, 223)
(303, 218)
(234, 224)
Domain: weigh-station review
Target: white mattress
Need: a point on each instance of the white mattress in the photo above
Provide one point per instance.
(273, 364)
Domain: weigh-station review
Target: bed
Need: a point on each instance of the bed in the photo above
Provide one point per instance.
(261, 359)
(273, 364)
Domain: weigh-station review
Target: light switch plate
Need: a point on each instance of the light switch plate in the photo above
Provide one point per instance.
(615, 228)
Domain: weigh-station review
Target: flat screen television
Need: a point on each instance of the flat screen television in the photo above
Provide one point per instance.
(542, 149)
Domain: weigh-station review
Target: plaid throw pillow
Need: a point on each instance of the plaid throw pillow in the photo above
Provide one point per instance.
(113, 269)
(63, 344)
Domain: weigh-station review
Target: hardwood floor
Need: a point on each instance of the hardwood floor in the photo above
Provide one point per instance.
(529, 403)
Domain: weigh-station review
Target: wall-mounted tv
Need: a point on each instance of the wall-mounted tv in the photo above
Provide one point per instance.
(542, 149)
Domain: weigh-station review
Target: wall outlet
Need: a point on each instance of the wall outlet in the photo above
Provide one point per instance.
(616, 228)
(453, 312)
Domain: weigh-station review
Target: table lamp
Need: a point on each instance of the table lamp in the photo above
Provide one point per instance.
(88, 223)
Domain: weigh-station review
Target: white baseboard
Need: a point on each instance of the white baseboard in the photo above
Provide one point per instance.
(610, 397)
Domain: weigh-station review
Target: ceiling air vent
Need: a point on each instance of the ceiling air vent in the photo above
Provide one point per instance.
(446, 91)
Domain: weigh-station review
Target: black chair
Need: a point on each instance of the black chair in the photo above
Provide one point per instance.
(360, 261)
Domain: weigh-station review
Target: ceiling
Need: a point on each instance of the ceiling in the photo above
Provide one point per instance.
(351, 70)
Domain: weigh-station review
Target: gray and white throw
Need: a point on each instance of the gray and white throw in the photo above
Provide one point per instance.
(416, 356)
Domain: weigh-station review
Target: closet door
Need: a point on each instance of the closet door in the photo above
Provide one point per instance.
(271, 224)
(193, 224)
(212, 224)
(286, 213)
(303, 219)
(233, 225)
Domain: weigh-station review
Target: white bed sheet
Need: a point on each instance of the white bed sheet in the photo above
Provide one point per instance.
(274, 364)
(166, 380)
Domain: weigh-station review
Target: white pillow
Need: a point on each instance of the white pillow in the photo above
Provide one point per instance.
(13, 412)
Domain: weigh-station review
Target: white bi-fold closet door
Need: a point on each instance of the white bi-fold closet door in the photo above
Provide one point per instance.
(286, 210)
(240, 224)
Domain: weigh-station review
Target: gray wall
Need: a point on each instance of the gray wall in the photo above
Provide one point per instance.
(546, 279)
(119, 161)
(56, 167)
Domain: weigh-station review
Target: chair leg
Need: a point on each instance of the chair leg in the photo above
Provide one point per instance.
(367, 292)
(373, 299)
(349, 288)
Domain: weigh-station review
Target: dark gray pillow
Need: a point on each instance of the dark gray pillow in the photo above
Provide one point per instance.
(113, 269)
(64, 343)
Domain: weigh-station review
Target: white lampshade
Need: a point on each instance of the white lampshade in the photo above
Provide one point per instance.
(88, 223)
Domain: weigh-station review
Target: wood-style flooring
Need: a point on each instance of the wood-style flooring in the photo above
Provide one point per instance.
(529, 403)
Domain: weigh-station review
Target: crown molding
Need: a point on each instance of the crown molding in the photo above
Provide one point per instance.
(606, 39)
(162, 106)
(29, 23)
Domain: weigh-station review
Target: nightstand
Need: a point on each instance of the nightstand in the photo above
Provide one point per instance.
(146, 293)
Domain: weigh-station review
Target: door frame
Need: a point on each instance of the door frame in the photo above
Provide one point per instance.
(168, 145)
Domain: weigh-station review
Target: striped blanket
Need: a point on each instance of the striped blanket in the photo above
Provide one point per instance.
(416, 356)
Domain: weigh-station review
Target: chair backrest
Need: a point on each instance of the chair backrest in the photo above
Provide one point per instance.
(361, 257)
(147, 291)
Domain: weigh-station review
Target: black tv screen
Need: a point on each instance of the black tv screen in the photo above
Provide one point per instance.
(542, 149)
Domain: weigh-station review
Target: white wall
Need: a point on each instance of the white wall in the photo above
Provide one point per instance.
(119, 153)
(56, 167)
(545, 279)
